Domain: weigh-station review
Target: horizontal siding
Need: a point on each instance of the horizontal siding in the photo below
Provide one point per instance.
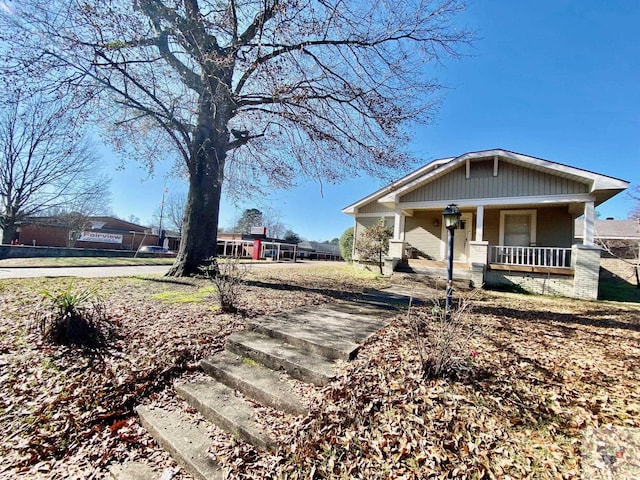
(512, 181)
(491, 230)
(423, 235)
(375, 207)
(555, 227)
(365, 222)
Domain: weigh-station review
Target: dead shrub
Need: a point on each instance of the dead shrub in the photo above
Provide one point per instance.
(442, 338)
(228, 278)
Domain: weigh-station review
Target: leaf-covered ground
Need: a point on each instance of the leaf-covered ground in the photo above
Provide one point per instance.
(67, 413)
(545, 371)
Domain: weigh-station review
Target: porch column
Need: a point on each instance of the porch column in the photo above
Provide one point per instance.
(396, 244)
(398, 226)
(479, 223)
(586, 271)
(589, 223)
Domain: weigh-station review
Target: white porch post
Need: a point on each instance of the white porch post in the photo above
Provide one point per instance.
(355, 238)
(396, 244)
(398, 226)
(479, 223)
(589, 223)
(478, 251)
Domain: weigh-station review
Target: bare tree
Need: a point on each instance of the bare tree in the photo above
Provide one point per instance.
(44, 164)
(77, 214)
(635, 195)
(172, 212)
(272, 219)
(252, 92)
(174, 209)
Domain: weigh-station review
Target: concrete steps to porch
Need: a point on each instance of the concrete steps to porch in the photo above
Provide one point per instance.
(433, 269)
(303, 344)
(255, 381)
(275, 354)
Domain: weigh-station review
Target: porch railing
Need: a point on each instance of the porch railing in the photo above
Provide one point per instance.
(554, 257)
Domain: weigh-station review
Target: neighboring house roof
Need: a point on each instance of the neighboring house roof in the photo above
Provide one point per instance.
(612, 229)
(602, 187)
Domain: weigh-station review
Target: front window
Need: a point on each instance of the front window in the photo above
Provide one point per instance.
(518, 228)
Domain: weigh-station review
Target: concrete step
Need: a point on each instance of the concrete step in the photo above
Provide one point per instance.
(185, 441)
(332, 331)
(277, 355)
(227, 409)
(132, 471)
(255, 381)
(435, 272)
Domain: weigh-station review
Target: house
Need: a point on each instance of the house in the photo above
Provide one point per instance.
(517, 223)
(619, 238)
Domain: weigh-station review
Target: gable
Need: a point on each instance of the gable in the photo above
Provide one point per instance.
(488, 174)
(482, 179)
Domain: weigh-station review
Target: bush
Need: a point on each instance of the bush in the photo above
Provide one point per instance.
(443, 338)
(73, 317)
(346, 244)
(228, 278)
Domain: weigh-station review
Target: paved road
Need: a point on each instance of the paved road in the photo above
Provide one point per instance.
(94, 272)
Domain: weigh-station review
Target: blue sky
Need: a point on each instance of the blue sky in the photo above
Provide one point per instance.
(555, 79)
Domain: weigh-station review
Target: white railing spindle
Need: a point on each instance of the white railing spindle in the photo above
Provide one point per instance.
(555, 257)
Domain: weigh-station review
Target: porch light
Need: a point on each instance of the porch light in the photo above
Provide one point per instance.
(451, 216)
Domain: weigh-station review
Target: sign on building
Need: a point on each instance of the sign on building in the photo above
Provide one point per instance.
(101, 237)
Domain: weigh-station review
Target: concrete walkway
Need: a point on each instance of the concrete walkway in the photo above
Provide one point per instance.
(303, 344)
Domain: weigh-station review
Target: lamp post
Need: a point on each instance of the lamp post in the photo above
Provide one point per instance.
(451, 216)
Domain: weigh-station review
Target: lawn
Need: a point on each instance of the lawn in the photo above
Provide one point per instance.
(546, 376)
(83, 262)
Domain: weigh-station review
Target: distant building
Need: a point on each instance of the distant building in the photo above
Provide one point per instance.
(105, 233)
(319, 251)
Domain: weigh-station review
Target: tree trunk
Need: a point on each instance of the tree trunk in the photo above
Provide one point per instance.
(199, 231)
(206, 174)
(8, 231)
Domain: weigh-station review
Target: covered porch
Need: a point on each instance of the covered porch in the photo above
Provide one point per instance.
(506, 244)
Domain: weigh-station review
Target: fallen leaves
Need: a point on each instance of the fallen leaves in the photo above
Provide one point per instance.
(542, 375)
(68, 413)
(545, 371)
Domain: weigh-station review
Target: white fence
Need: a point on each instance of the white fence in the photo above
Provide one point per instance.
(531, 256)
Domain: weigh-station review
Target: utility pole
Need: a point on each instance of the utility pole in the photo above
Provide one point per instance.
(160, 236)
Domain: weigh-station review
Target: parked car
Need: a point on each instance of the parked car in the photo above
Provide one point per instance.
(156, 250)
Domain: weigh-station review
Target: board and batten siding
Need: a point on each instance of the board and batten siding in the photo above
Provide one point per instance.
(555, 227)
(511, 181)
